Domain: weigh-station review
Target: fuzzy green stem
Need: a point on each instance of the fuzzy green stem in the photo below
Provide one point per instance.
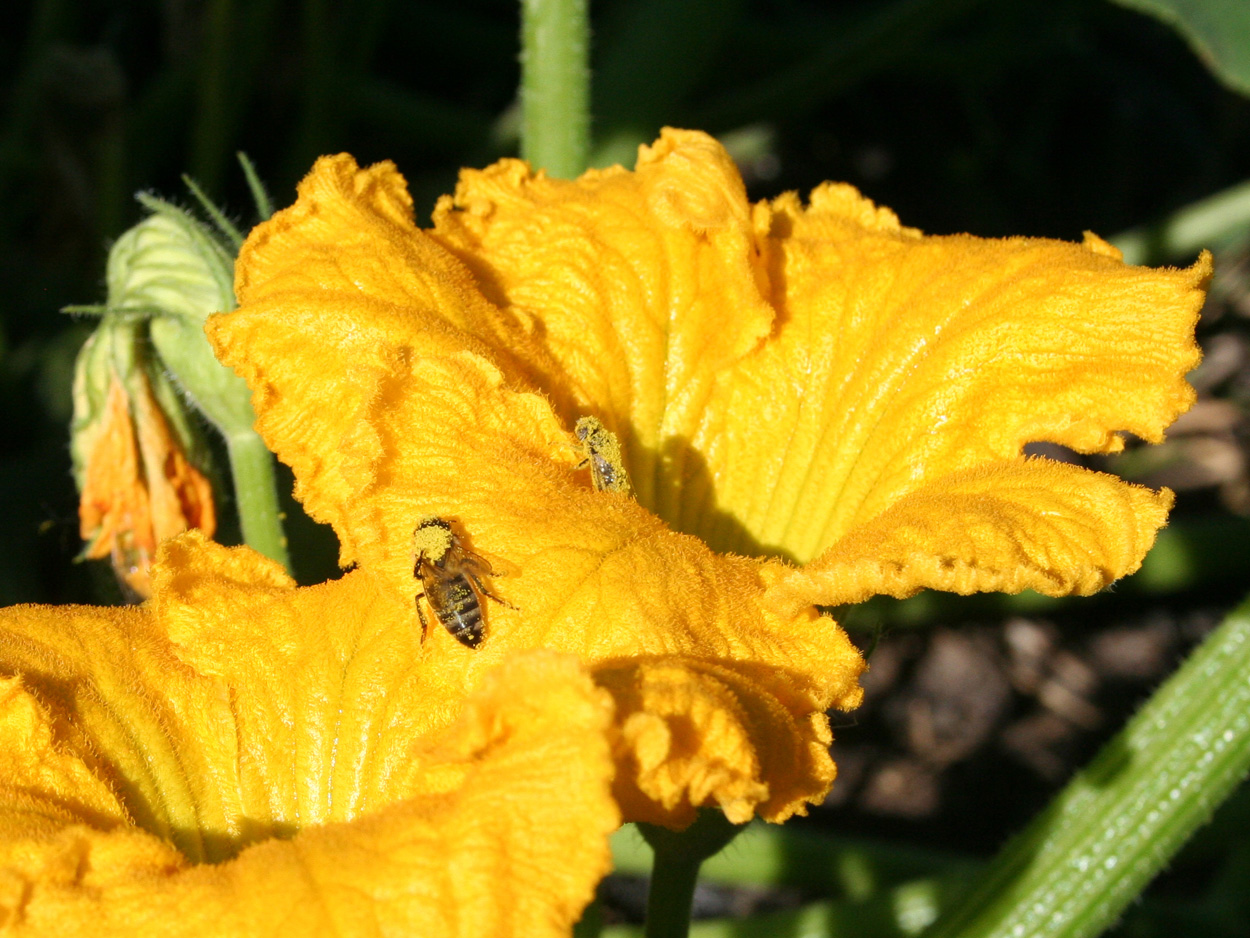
(256, 495)
(1075, 869)
(555, 85)
(675, 869)
(671, 895)
(816, 861)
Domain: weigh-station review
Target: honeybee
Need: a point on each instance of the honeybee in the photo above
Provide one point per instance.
(451, 577)
(603, 455)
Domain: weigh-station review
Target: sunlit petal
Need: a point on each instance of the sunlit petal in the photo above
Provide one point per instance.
(900, 359)
(1027, 524)
(586, 572)
(290, 738)
(647, 285)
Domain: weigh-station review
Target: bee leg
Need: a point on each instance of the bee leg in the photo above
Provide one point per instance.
(481, 588)
(425, 626)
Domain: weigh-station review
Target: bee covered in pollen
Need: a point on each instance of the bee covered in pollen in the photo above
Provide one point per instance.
(451, 578)
(603, 454)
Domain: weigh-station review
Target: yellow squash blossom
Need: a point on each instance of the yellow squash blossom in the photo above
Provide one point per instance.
(814, 404)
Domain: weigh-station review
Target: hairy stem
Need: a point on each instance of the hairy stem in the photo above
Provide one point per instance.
(555, 85)
(256, 494)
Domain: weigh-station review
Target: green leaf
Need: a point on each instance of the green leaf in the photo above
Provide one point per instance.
(1217, 30)
(1077, 867)
(1218, 222)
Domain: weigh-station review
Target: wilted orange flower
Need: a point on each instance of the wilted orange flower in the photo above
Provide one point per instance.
(137, 483)
(815, 404)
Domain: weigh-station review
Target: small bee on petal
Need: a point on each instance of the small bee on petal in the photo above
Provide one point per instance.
(603, 455)
(451, 577)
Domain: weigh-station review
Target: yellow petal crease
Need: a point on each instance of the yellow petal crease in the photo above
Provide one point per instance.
(348, 244)
(278, 766)
(647, 284)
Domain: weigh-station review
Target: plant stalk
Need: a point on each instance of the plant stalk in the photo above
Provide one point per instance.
(256, 495)
(555, 85)
(1077, 866)
(675, 869)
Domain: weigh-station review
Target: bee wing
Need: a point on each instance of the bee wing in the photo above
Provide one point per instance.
(488, 564)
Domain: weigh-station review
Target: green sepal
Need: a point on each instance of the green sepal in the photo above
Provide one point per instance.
(173, 263)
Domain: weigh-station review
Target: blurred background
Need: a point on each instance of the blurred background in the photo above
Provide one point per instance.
(1038, 117)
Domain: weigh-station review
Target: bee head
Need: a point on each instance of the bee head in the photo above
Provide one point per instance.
(432, 539)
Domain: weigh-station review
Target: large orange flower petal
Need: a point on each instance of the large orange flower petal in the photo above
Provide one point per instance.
(891, 359)
(130, 758)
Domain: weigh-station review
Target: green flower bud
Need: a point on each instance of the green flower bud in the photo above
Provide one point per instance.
(175, 271)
